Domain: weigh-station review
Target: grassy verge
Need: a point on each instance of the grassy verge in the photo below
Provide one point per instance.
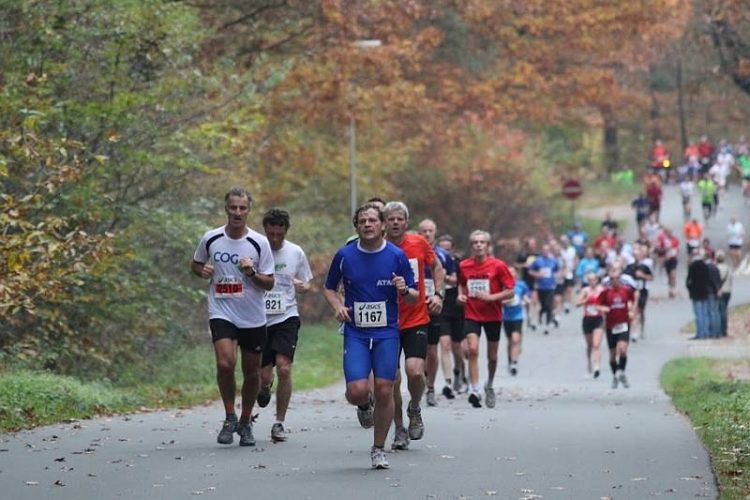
(715, 395)
(601, 194)
(185, 378)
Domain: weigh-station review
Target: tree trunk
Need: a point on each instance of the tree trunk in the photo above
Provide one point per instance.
(681, 105)
(611, 144)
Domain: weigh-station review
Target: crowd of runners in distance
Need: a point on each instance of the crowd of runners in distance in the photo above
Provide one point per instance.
(704, 169)
(397, 290)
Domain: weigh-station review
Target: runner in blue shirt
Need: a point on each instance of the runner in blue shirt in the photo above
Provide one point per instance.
(373, 272)
(513, 316)
(578, 238)
(543, 269)
(588, 264)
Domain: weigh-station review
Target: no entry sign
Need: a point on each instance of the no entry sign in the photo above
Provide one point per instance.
(572, 189)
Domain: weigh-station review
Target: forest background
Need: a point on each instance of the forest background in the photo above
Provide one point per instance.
(122, 125)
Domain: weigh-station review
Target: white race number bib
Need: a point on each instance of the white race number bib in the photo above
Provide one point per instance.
(227, 287)
(414, 263)
(429, 287)
(476, 286)
(370, 314)
(275, 302)
(619, 328)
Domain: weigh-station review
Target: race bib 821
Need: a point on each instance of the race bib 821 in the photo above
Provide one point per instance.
(275, 302)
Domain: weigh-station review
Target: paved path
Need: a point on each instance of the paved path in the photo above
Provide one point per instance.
(555, 434)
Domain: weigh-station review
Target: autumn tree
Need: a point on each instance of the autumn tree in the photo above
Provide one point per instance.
(729, 24)
(98, 105)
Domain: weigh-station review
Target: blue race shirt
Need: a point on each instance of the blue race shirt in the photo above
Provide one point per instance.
(445, 259)
(513, 311)
(368, 292)
(548, 267)
(587, 266)
(579, 239)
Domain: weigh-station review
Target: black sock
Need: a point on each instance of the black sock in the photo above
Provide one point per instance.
(613, 365)
(448, 381)
(232, 416)
(623, 362)
(364, 407)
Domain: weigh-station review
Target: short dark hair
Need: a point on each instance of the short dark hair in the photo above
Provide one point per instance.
(376, 199)
(276, 217)
(240, 192)
(446, 237)
(367, 206)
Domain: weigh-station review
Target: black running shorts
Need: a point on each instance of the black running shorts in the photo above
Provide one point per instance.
(591, 323)
(613, 339)
(670, 264)
(453, 326)
(642, 299)
(513, 326)
(491, 328)
(282, 339)
(434, 331)
(249, 339)
(414, 342)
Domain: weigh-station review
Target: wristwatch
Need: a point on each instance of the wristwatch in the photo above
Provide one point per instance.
(439, 295)
(405, 292)
(251, 274)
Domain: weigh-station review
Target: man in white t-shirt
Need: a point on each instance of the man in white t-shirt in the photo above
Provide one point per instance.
(735, 240)
(292, 275)
(570, 260)
(238, 263)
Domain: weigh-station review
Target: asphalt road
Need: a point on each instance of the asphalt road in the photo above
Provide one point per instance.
(555, 434)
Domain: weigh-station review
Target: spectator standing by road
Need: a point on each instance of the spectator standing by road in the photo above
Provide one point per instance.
(702, 290)
(725, 290)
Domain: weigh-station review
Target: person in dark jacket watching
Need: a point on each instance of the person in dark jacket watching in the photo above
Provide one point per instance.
(702, 287)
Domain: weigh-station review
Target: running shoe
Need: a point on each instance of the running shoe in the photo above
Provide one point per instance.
(465, 382)
(513, 369)
(377, 455)
(448, 392)
(532, 326)
(624, 380)
(546, 332)
(226, 434)
(556, 322)
(430, 398)
(456, 381)
(614, 382)
(400, 439)
(246, 435)
(278, 433)
(596, 373)
(475, 399)
(264, 396)
(367, 416)
(416, 426)
(490, 397)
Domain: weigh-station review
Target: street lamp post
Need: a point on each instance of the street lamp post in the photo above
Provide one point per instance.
(352, 163)
(362, 44)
